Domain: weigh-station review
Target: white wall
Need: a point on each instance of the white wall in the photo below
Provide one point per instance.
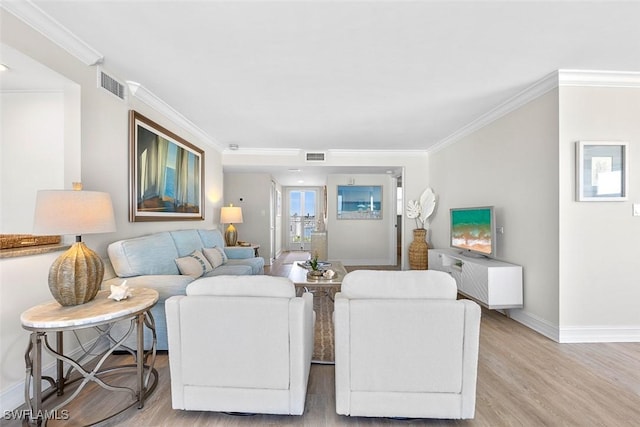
(362, 242)
(413, 164)
(32, 145)
(599, 251)
(511, 164)
(252, 192)
(104, 167)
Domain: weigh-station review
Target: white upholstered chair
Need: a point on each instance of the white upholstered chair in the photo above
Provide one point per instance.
(405, 347)
(240, 344)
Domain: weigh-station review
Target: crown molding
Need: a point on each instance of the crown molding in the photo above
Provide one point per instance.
(559, 78)
(143, 94)
(35, 17)
(373, 153)
(589, 78)
(539, 88)
(280, 152)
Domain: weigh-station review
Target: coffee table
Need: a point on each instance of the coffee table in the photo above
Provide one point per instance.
(298, 275)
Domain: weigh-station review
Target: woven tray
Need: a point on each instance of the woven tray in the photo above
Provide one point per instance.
(9, 241)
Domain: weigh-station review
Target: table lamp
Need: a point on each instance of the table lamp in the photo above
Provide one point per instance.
(231, 215)
(76, 276)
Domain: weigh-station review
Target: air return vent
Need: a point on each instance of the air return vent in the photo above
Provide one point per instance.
(111, 84)
(315, 157)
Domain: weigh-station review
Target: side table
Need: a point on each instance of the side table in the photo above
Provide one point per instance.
(99, 314)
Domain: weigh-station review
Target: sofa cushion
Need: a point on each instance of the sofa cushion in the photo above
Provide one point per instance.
(255, 286)
(228, 269)
(399, 284)
(255, 264)
(152, 254)
(195, 264)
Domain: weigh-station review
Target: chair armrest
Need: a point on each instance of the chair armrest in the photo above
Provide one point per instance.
(342, 353)
(239, 252)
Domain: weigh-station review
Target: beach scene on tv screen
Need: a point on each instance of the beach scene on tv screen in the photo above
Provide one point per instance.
(471, 229)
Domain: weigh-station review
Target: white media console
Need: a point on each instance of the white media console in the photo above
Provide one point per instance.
(495, 284)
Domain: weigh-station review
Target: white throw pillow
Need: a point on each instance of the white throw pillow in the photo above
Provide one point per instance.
(195, 264)
(215, 256)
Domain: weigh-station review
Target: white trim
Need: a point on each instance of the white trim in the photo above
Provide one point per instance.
(534, 91)
(536, 323)
(594, 334)
(587, 78)
(143, 94)
(564, 78)
(371, 153)
(53, 30)
(289, 152)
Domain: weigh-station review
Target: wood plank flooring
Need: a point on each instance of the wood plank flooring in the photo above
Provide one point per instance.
(524, 379)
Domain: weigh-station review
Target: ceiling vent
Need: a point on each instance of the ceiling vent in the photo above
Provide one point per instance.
(111, 84)
(315, 157)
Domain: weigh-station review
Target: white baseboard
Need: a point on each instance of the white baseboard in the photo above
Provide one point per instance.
(593, 334)
(13, 396)
(576, 334)
(536, 323)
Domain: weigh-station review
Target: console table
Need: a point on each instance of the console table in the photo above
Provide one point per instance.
(494, 284)
(98, 314)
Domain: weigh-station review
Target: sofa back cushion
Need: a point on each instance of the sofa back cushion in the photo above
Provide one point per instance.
(429, 284)
(187, 241)
(211, 238)
(152, 254)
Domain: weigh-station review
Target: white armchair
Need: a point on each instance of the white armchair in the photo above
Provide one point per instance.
(405, 347)
(240, 344)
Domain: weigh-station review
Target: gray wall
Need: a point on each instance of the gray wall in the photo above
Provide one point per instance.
(511, 164)
(579, 258)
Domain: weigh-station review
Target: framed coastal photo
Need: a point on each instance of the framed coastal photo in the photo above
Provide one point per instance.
(166, 174)
(602, 172)
(359, 202)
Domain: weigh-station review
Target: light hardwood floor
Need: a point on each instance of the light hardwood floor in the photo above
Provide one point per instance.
(524, 379)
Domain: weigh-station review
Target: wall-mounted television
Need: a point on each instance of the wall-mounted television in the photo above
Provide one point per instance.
(473, 230)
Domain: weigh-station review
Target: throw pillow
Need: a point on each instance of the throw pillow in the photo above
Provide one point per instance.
(214, 256)
(195, 264)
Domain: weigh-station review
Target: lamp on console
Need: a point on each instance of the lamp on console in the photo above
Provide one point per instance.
(75, 277)
(231, 215)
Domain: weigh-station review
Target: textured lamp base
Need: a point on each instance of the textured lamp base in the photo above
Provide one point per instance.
(231, 236)
(75, 277)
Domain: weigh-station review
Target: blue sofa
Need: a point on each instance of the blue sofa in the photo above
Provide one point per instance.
(150, 261)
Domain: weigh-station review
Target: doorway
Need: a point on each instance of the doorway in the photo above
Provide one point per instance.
(302, 208)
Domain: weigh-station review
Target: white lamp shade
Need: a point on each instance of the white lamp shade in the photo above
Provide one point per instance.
(73, 212)
(231, 215)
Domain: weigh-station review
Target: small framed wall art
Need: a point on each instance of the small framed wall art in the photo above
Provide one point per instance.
(166, 174)
(602, 172)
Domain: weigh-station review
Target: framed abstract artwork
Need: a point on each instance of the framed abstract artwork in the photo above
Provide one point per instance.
(601, 171)
(166, 174)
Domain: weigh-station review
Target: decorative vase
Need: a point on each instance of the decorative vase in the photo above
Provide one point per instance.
(76, 276)
(418, 250)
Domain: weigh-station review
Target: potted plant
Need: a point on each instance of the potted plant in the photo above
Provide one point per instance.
(315, 269)
(420, 210)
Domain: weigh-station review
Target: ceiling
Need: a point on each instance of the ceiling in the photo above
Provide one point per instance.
(356, 75)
